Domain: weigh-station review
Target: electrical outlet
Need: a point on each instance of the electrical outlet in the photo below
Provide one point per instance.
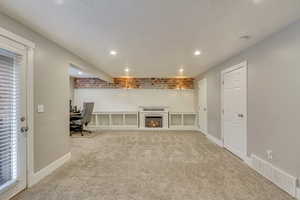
(270, 154)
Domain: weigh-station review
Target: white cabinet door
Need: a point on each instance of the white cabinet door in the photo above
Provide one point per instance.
(203, 105)
(12, 118)
(235, 110)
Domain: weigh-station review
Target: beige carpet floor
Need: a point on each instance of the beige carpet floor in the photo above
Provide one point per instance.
(152, 166)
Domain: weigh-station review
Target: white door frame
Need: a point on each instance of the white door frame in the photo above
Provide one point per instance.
(235, 67)
(199, 82)
(30, 46)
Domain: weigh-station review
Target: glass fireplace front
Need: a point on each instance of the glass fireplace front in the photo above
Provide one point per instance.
(154, 121)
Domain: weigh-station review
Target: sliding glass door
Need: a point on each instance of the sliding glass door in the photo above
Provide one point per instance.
(13, 123)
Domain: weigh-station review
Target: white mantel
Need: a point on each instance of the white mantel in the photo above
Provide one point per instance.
(154, 108)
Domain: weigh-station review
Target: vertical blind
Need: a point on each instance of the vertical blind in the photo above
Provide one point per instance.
(9, 115)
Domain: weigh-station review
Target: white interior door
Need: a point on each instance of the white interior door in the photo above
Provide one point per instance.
(203, 106)
(234, 119)
(13, 118)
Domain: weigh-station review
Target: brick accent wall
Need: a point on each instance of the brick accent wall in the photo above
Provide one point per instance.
(136, 83)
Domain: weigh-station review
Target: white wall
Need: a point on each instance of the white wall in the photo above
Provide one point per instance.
(130, 100)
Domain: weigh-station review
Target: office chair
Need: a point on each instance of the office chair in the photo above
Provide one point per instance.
(77, 124)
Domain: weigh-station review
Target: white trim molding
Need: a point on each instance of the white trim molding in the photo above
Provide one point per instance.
(30, 114)
(38, 176)
(215, 140)
(235, 67)
(205, 133)
(298, 193)
(201, 131)
(16, 38)
(248, 161)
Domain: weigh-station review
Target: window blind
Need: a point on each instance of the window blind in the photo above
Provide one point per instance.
(9, 115)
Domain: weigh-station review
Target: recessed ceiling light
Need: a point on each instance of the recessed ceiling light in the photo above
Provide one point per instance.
(197, 53)
(126, 69)
(113, 52)
(257, 1)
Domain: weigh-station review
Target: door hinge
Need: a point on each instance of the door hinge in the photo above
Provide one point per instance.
(223, 111)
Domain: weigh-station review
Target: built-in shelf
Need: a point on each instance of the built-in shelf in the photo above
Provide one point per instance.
(183, 120)
(114, 120)
(130, 120)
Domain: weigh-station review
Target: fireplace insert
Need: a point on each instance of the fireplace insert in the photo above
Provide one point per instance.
(154, 121)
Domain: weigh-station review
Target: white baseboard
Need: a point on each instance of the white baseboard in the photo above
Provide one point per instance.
(248, 161)
(277, 176)
(38, 176)
(298, 193)
(215, 140)
(201, 131)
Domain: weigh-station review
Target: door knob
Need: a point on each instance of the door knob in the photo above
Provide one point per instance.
(240, 115)
(24, 129)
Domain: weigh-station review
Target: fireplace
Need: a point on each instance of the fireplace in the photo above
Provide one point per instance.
(154, 117)
(153, 121)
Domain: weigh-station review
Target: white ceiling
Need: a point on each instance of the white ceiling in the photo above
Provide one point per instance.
(154, 38)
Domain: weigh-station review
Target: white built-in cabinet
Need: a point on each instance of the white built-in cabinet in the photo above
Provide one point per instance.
(183, 120)
(117, 120)
(130, 120)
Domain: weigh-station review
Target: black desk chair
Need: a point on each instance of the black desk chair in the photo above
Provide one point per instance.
(77, 123)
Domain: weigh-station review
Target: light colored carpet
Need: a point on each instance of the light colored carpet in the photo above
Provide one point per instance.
(152, 166)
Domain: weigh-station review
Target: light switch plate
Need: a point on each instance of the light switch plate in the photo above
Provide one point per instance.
(40, 108)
